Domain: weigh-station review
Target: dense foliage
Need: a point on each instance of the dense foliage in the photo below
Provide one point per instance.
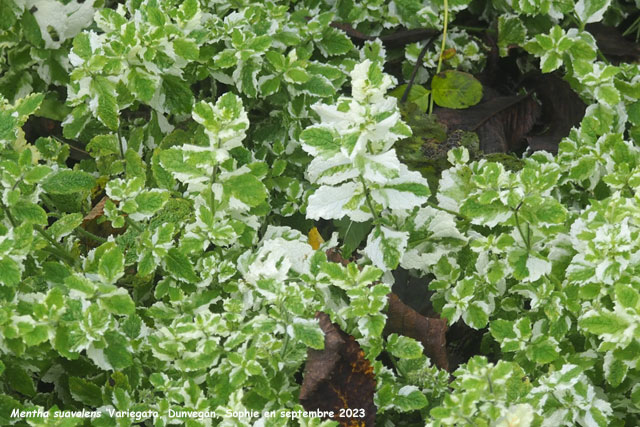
(218, 130)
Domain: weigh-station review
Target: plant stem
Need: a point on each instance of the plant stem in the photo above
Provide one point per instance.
(212, 196)
(442, 46)
(61, 250)
(47, 201)
(635, 24)
(524, 239)
(8, 213)
(376, 217)
(454, 213)
(90, 235)
(414, 73)
(132, 224)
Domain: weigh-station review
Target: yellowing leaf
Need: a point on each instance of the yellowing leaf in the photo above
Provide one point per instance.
(315, 239)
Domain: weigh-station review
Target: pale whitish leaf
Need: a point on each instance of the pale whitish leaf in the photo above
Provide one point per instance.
(328, 202)
(380, 168)
(537, 267)
(385, 247)
(591, 10)
(403, 192)
(331, 171)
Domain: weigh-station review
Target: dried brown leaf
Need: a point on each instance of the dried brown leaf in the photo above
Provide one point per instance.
(500, 122)
(339, 377)
(431, 332)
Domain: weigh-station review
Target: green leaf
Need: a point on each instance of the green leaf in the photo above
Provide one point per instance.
(76, 122)
(296, 75)
(309, 333)
(477, 315)
(19, 379)
(31, 30)
(132, 326)
(118, 302)
(626, 296)
(187, 49)
(107, 110)
(65, 225)
(29, 213)
(37, 335)
(511, 32)
(111, 263)
(7, 14)
(318, 86)
(179, 98)
(502, 329)
(385, 247)
(149, 202)
(29, 104)
(141, 84)
(270, 86)
(418, 95)
(603, 323)
(116, 352)
(352, 234)
(246, 188)
(321, 140)
(404, 347)
(615, 370)
(82, 45)
(68, 182)
(334, 42)
(410, 398)
(455, 89)
(543, 352)
(85, 392)
(9, 272)
(179, 265)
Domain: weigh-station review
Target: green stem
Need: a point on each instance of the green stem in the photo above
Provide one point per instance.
(8, 213)
(635, 24)
(90, 235)
(442, 47)
(414, 73)
(212, 196)
(132, 224)
(285, 342)
(47, 201)
(376, 217)
(61, 249)
(454, 213)
(524, 239)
